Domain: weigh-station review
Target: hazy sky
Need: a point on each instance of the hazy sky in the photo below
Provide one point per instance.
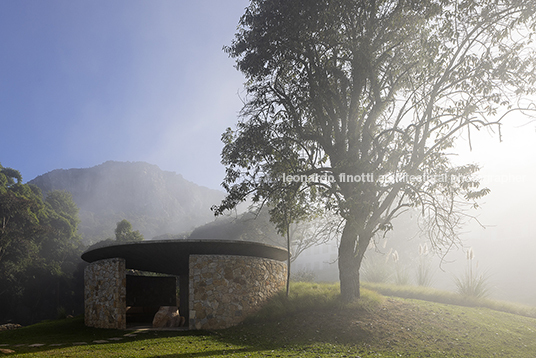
(83, 82)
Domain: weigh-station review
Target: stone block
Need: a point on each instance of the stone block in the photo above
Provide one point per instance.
(105, 294)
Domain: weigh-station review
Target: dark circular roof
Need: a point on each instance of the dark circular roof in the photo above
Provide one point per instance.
(171, 256)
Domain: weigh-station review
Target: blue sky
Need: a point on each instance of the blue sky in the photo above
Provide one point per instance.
(83, 82)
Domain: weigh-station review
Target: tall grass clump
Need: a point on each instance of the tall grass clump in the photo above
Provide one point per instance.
(376, 269)
(401, 275)
(424, 271)
(472, 283)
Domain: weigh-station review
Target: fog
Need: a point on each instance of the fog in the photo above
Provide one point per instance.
(505, 247)
(138, 88)
(499, 232)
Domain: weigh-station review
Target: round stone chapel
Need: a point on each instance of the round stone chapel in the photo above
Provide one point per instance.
(213, 283)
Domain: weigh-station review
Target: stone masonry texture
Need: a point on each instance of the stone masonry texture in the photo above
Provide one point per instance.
(105, 294)
(225, 289)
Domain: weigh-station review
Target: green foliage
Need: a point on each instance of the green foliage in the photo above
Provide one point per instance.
(20, 209)
(472, 283)
(124, 233)
(39, 249)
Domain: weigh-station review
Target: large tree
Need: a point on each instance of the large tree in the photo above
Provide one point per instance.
(352, 107)
(20, 209)
(39, 249)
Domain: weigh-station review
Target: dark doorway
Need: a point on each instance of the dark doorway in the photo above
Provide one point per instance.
(145, 295)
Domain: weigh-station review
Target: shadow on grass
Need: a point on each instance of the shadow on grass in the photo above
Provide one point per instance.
(210, 353)
(299, 329)
(70, 332)
(311, 315)
(333, 326)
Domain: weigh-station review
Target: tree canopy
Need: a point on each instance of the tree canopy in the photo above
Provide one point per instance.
(124, 233)
(352, 107)
(20, 210)
(39, 248)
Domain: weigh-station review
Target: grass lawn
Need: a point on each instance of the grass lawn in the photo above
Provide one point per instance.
(312, 323)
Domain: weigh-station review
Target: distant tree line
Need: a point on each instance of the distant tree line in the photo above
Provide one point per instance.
(41, 273)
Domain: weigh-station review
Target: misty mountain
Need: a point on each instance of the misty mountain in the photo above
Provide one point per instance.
(154, 201)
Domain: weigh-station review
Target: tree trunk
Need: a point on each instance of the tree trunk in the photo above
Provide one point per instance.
(348, 265)
(349, 277)
(288, 259)
(351, 252)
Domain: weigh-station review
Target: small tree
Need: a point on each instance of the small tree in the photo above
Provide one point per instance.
(322, 229)
(287, 208)
(124, 233)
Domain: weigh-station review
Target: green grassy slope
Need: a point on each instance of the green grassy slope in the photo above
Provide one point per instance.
(311, 324)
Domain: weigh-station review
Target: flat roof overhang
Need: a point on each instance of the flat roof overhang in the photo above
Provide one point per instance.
(172, 256)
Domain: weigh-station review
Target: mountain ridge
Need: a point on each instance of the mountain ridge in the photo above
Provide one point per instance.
(156, 202)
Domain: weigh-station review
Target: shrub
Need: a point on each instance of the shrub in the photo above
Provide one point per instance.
(375, 269)
(303, 276)
(424, 271)
(472, 283)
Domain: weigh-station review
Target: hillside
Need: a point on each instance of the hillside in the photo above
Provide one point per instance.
(155, 202)
(247, 226)
(310, 323)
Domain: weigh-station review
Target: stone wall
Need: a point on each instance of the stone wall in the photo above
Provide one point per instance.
(225, 289)
(105, 294)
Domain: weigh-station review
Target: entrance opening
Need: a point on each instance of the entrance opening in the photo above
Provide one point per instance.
(146, 294)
